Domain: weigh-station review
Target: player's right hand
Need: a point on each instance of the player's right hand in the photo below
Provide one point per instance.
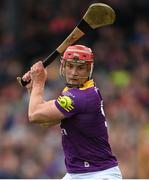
(38, 73)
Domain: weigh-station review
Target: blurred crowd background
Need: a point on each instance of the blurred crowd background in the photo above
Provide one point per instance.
(30, 30)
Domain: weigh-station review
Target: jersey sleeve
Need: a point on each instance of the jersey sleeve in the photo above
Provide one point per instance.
(71, 103)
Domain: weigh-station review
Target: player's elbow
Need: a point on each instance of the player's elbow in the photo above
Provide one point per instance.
(34, 118)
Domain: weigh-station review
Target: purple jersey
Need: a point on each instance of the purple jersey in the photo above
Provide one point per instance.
(84, 130)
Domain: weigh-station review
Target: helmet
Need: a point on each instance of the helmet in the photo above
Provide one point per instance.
(78, 53)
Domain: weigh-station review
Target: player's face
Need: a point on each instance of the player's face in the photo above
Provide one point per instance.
(77, 72)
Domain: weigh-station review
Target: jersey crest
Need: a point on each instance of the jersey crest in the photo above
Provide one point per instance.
(66, 103)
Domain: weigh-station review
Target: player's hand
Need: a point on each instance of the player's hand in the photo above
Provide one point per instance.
(27, 77)
(38, 73)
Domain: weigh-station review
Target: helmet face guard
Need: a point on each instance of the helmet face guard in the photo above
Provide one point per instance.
(77, 54)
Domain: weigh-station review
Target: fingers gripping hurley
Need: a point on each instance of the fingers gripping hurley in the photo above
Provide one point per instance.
(97, 15)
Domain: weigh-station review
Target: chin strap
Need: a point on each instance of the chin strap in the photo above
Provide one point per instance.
(74, 85)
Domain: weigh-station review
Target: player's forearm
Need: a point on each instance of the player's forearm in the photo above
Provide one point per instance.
(29, 90)
(36, 99)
